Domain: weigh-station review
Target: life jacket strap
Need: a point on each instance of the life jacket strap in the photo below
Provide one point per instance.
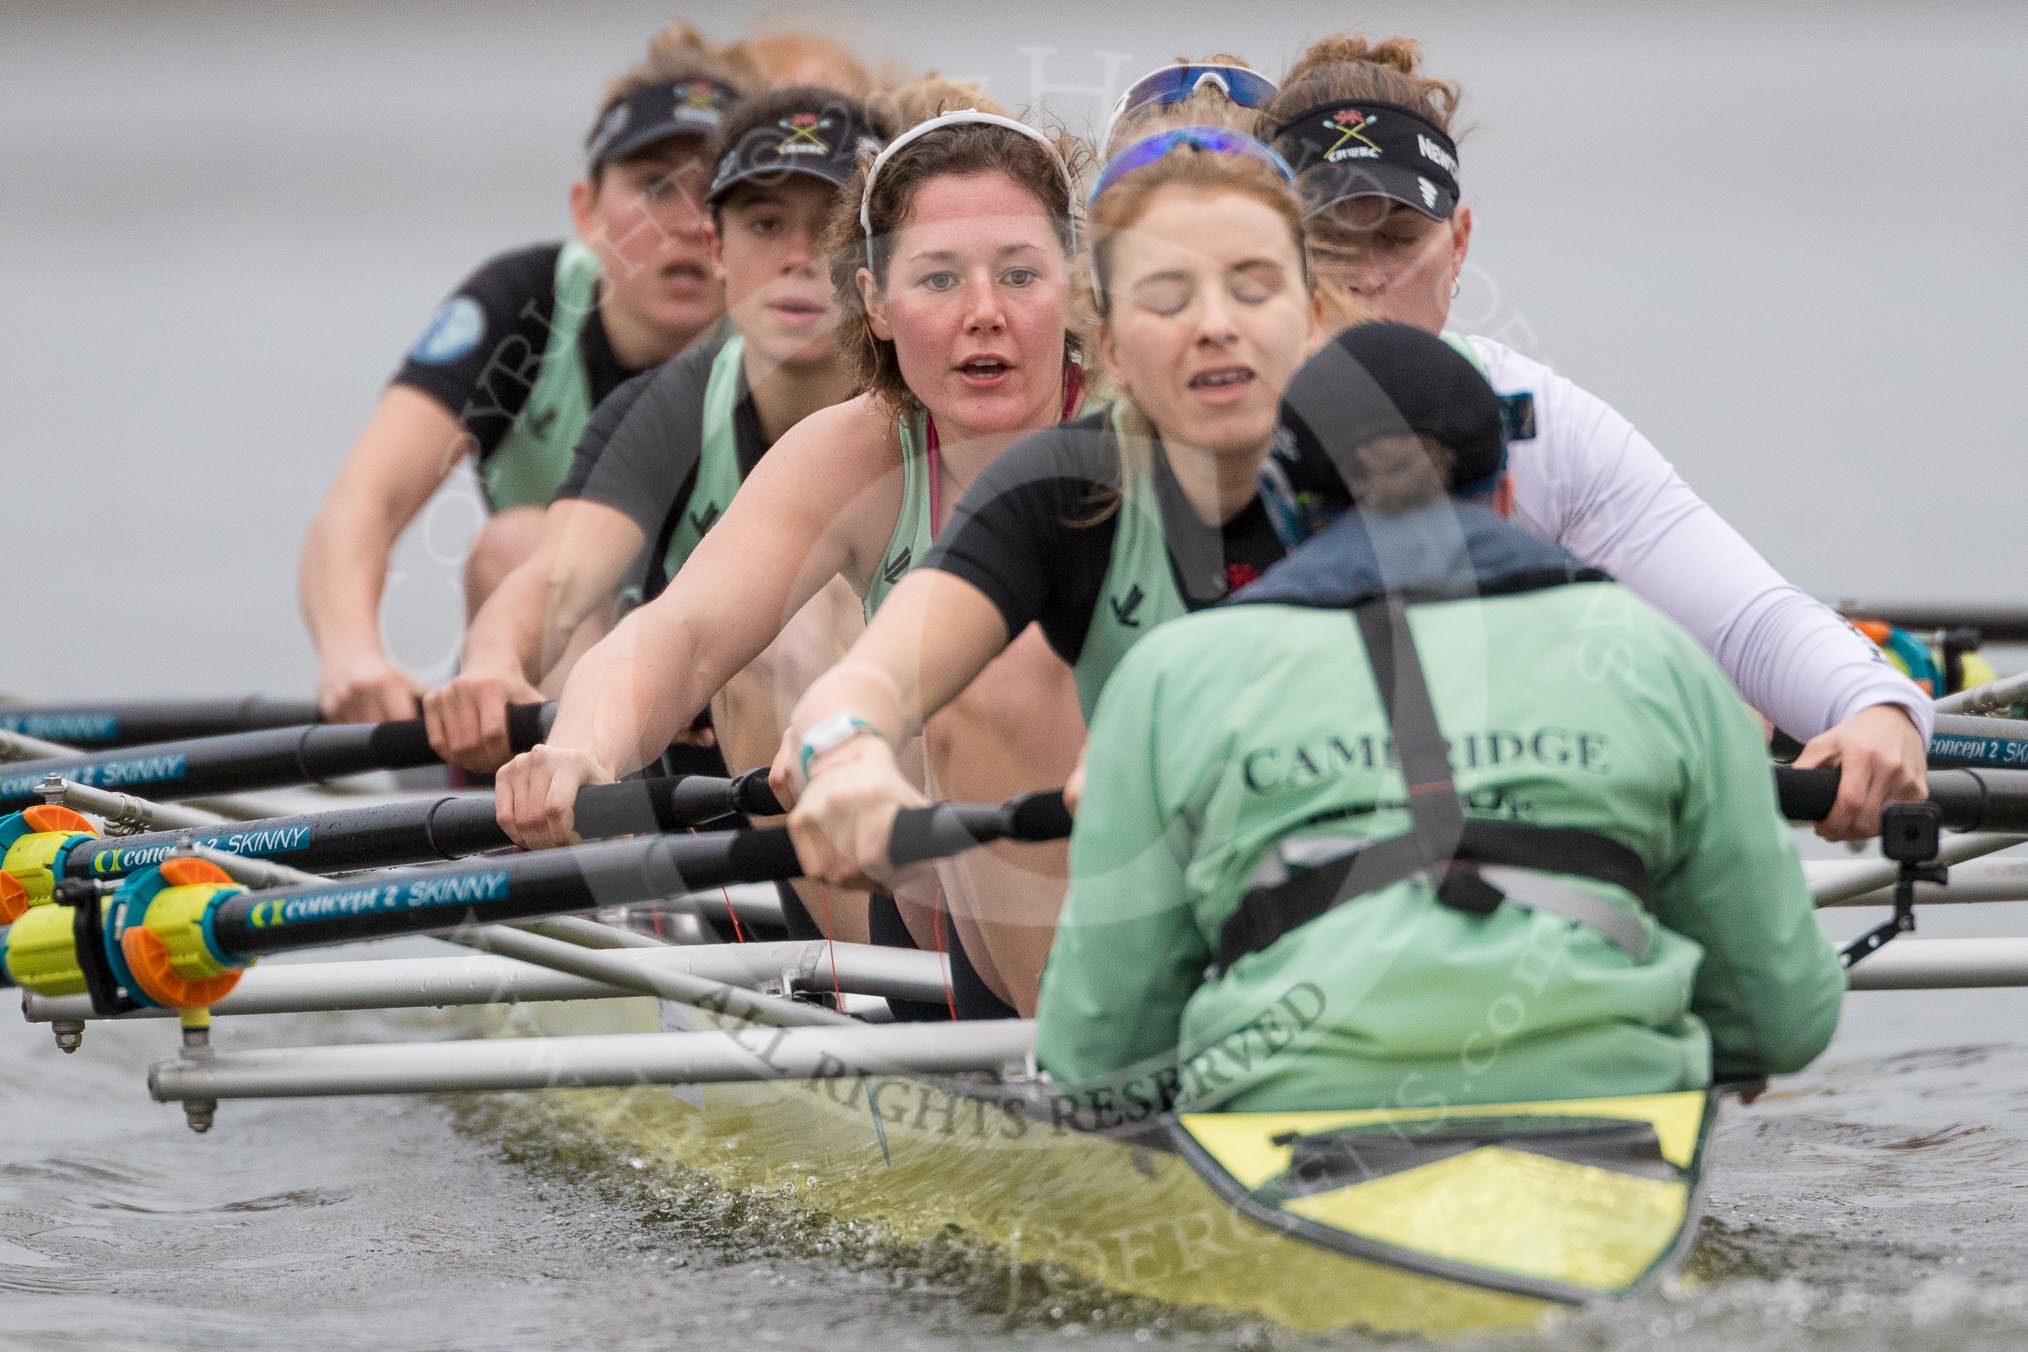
(1494, 864)
(1475, 866)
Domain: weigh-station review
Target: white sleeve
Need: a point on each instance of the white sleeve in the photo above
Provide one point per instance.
(1593, 484)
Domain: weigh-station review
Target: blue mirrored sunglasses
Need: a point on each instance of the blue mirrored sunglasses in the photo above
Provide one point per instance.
(1217, 140)
(1173, 84)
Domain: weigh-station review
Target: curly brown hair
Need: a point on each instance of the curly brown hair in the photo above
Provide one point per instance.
(1348, 66)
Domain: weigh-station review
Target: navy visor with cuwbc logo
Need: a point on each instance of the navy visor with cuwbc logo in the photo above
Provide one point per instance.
(686, 107)
(1361, 148)
(825, 140)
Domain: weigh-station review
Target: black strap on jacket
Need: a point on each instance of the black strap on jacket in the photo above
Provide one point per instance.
(1439, 839)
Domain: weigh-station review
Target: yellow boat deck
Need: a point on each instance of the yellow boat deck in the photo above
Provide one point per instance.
(1457, 1237)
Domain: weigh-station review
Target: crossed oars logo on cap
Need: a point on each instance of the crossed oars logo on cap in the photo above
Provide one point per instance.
(698, 95)
(1350, 124)
(801, 130)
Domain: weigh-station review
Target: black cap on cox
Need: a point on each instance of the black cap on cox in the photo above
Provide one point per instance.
(1380, 380)
(823, 138)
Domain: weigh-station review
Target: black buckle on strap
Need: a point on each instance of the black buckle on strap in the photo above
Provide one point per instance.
(1462, 889)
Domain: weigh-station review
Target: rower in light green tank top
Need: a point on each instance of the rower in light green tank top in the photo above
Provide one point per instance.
(1140, 563)
(913, 527)
(525, 469)
(718, 475)
(914, 524)
(1139, 591)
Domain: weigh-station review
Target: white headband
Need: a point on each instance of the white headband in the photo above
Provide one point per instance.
(952, 119)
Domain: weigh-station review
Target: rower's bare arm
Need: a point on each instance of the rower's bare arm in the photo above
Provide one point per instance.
(587, 551)
(932, 636)
(526, 624)
(818, 503)
(407, 449)
(788, 531)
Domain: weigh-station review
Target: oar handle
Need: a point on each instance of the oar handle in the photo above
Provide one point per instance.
(671, 803)
(406, 741)
(1995, 623)
(1805, 795)
(919, 834)
(221, 933)
(950, 828)
(528, 725)
(1971, 800)
(693, 800)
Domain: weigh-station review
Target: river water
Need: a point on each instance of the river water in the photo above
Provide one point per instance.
(1873, 1202)
(1785, 242)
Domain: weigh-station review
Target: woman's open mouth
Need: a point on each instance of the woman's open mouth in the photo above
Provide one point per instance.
(683, 277)
(984, 372)
(1222, 384)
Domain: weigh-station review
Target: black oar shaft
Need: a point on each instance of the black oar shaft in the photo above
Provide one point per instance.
(587, 877)
(111, 723)
(420, 831)
(1972, 800)
(247, 761)
(338, 841)
(950, 828)
(515, 887)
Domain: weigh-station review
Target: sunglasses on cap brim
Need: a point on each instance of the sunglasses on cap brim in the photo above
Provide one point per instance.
(1217, 140)
(1172, 84)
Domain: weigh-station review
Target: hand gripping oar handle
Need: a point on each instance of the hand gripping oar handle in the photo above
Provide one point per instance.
(1970, 800)
(246, 761)
(951, 828)
(608, 873)
(405, 742)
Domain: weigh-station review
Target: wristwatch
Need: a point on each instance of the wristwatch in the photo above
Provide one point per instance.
(828, 734)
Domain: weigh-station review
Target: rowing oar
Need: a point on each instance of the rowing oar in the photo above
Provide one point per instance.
(178, 934)
(1959, 740)
(1911, 837)
(1995, 623)
(268, 759)
(1963, 740)
(41, 847)
(1968, 800)
(114, 723)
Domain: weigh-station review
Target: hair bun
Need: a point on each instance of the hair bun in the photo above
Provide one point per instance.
(1349, 66)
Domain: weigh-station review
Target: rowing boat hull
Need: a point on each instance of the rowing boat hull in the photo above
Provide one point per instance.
(1184, 1212)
